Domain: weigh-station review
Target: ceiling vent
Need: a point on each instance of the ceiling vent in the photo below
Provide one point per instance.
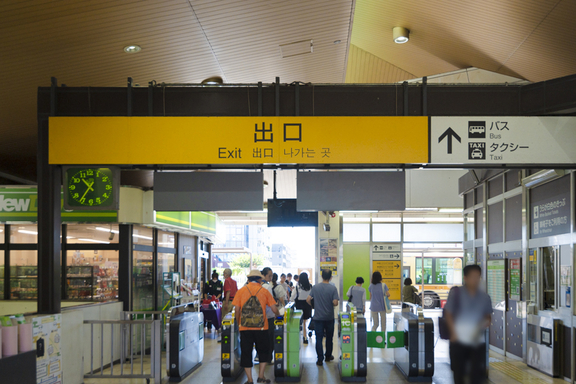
(297, 48)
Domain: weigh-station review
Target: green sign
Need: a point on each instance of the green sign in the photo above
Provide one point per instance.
(198, 221)
(21, 204)
(515, 267)
(396, 339)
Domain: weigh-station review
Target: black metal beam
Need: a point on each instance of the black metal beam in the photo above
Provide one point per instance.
(64, 267)
(125, 266)
(7, 289)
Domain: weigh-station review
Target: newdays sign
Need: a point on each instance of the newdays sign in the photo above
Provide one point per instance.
(21, 204)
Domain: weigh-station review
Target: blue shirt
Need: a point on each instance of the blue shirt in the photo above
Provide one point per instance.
(469, 313)
(377, 297)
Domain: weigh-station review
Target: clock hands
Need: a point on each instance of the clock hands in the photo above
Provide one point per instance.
(89, 185)
(88, 189)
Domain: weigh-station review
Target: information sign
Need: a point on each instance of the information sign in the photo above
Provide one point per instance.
(514, 273)
(550, 208)
(496, 278)
(503, 140)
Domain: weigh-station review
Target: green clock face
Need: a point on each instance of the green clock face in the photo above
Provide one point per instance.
(90, 187)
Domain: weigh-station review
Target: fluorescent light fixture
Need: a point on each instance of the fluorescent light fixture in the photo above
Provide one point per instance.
(95, 241)
(433, 219)
(102, 229)
(356, 220)
(386, 220)
(214, 80)
(450, 210)
(541, 177)
(132, 48)
(142, 237)
(27, 232)
(359, 211)
(400, 35)
(423, 209)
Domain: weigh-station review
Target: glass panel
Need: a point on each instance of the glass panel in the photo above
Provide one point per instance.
(142, 236)
(1, 275)
(356, 232)
(427, 270)
(166, 239)
(386, 232)
(548, 278)
(469, 226)
(1, 237)
(92, 275)
(433, 232)
(24, 275)
(142, 283)
(92, 234)
(165, 264)
(24, 234)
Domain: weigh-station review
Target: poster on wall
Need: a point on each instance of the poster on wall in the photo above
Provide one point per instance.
(566, 275)
(514, 273)
(329, 255)
(496, 278)
(46, 333)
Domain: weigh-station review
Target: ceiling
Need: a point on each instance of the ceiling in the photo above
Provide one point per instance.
(80, 42)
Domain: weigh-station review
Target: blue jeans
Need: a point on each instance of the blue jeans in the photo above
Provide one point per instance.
(324, 328)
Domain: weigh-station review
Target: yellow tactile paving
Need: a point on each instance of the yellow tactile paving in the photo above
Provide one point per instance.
(519, 374)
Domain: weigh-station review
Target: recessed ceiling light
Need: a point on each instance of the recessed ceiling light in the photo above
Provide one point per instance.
(132, 48)
(337, 41)
(400, 35)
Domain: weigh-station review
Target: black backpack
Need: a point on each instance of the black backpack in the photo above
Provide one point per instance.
(252, 315)
(442, 323)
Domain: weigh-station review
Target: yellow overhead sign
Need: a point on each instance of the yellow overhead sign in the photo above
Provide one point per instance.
(238, 140)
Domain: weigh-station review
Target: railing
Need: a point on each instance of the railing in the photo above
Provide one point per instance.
(163, 316)
(135, 345)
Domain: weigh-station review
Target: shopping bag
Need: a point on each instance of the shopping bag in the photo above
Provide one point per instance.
(388, 306)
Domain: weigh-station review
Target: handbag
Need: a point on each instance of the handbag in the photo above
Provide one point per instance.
(386, 300)
(442, 323)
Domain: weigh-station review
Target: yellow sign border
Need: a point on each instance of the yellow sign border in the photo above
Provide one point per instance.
(238, 140)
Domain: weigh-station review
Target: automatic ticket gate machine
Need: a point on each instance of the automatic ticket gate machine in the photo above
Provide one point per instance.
(184, 342)
(415, 359)
(353, 346)
(287, 348)
(230, 349)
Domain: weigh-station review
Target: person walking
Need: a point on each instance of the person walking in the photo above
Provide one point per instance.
(285, 284)
(378, 291)
(230, 289)
(357, 295)
(278, 292)
(468, 312)
(290, 285)
(250, 303)
(268, 275)
(325, 297)
(410, 292)
(299, 295)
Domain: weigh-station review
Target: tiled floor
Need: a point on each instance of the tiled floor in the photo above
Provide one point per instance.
(381, 367)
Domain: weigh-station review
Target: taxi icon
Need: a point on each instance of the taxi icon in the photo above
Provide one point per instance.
(476, 154)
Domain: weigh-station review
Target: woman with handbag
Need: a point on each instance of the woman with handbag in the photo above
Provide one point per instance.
(357, 295)
(379, 294)
(299, 295)
(410, 292)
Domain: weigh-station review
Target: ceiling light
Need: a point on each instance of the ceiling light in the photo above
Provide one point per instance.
(95, 241)
(450, 210)
(337, 41)
(542, 177)
(214, 80)
(400, 35)
(27, 232)
(142, 237)
(132, 48)
(102, 229)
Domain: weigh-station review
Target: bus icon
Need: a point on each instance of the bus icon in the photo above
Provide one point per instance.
(477, 129)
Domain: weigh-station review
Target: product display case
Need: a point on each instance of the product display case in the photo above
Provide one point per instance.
(24, 282)
(142, 281)
(92, 283)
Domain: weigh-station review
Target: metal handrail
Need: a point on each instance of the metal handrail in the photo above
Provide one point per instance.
(127, 348)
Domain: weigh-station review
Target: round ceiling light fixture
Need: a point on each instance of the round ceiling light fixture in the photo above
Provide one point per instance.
(214, 80)
(400, 35)
(132, 48)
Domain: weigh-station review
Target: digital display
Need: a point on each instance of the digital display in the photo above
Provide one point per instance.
(345, 316)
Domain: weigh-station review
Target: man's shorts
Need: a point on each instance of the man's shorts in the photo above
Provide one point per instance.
(263, 344)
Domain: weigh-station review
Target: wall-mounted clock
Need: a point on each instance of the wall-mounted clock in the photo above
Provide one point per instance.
(91, 188)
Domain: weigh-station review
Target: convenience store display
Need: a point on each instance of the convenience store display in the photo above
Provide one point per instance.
(23, 282)
(92, 283)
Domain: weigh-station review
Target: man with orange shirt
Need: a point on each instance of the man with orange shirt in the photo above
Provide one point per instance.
(250, 303)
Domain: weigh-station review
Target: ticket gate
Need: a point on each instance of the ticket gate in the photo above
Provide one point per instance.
(416, 359)
(230, 349)
(287, 351)
(353, 346)
(184, 342)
